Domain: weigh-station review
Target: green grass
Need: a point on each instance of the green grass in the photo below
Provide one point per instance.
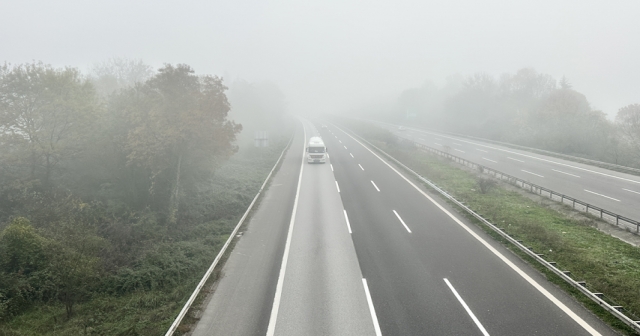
(607, 264)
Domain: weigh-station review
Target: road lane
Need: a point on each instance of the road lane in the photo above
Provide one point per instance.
(405, 271)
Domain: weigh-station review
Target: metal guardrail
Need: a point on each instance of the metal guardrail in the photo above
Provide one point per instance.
(615, 310)
(203, 281)
(577, 204)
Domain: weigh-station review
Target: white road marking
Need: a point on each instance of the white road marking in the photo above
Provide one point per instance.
(499, 255)
(528, 172)
(401, 221)
(285, 256)
(360, 166)
(437, 144)
(457, 144)
(337, 187)
(559, 171)
(331, 167)
(376, 325)
(473, 316)
(340, 141)
(631, 191)
(490, 160)
(347, 219)
(510, 158)
(351, 154)
(375, 186)
(421, 139)
(459, 150)
(345, 147)
(484, 151)
(589, 191)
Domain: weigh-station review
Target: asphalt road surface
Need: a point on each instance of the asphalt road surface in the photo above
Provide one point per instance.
(368, 252)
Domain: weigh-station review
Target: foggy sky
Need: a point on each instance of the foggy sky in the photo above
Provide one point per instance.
(328, 56)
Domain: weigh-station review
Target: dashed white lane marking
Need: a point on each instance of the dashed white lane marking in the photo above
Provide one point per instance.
(401, 221)
(490, 160)
(499, 255)
(345, 147)
(510, 158)
(457, 144)
(437, 144)
(375, 186)
(340, 141)
(528, 172)
(482, 150)
(459, 150)
(560, 171)
(376, 325)
(337, 187)
(351, 154)
(347, 219)
(631, 191)
(331, 167)
(473, 316)
(595, 193)
(360, 166)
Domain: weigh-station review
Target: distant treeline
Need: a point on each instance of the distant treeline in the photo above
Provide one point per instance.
(100, 174)
(526, 108)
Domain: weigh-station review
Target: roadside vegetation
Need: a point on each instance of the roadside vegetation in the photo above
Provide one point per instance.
(116, 193)
(607, 264)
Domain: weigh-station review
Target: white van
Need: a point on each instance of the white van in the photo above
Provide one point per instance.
(316, 151)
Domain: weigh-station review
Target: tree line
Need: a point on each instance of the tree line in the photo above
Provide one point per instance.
(98, 171)
(526, 108)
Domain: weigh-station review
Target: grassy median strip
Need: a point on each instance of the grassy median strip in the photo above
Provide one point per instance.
(607, 264)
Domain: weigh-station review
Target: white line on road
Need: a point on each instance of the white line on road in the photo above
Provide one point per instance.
(376, 325)
(401, 221)
(457, 144)
(347, 219)
(421, 139)
(510, 158)
(528, 172)
(351, 154)
(489, 247)
(375, 186)
(345, 147)
(360, 166)
(337, 187)
(490, 160)
(473, 317)
(560, 171)
(484, 151)
(631, 191)
(589, 191)
(340, 141)
(331, 167)
(459, 150)
(287, 246)
(437, 144)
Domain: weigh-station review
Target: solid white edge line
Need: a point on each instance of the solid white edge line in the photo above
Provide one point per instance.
(360, 166)
(459, 150)
(504, 259)
(595, 193)
(337, 186)
(528, 172)
(482, 150)
(635, 192)
(510, 158)
(401, 221)
(330, 165)
(490, 160)
(464, 304)
(437, 144)
(375, 186)
(347, 219)
(560, 171)
(285, 256)
(374, 317)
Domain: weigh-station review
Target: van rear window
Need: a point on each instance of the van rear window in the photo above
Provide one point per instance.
(316, 149)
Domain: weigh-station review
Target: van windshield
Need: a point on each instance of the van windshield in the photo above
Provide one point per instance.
(316, 149)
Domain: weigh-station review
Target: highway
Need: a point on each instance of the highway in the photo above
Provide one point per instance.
(352, 247)
(611, 190)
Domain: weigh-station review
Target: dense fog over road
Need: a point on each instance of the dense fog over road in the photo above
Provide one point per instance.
(338, 55)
